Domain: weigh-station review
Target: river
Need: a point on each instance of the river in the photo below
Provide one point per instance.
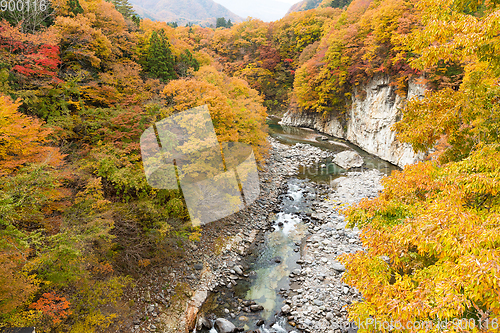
(273, 260)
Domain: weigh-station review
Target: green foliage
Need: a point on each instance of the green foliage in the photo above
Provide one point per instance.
(160, 62)
(124, 7)
(75, 7)
(136, 19)
(185, 62)
(335, 3)
(221, 23)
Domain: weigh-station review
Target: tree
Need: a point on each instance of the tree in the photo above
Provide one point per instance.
(21, 139)
(82, 46)
(32, 58)
(236, 109)
(221, 23)
(432, 236)
(75, 7)
(136, 19)
(184, 62)
(124, 7)
(335, 3)
(55, 307)
(160, 61)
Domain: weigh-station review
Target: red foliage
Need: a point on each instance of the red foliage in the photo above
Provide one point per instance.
(31, 55)
(269, 57)
(38, 61)
(53, 306)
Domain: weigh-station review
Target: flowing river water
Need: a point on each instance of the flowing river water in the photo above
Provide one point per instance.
(275, 254)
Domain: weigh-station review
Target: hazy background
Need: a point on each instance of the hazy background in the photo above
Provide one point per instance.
(266, 10)
(205, 12)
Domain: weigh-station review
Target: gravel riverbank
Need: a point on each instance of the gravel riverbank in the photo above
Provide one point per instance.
(317, 298)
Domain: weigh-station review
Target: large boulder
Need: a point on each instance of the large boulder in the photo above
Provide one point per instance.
(348, 159)
(222, 325)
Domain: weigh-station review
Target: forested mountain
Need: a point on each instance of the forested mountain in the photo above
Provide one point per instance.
(81, 81)
(201, 12)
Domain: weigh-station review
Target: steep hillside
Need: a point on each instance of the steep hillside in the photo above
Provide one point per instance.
(202, 12)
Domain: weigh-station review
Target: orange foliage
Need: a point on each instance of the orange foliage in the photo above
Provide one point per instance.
(81, 42)
(236, 109)
(22, 138)
(15, 287)
(57, 308)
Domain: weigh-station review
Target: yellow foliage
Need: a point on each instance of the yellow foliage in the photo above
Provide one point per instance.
(439, 229)
(93, 195)
(236, 109)
(16, 286)
(195, 234)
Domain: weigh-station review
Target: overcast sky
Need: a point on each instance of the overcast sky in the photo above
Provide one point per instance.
(267, 10)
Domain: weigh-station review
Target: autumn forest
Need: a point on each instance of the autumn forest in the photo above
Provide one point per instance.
(80, 80)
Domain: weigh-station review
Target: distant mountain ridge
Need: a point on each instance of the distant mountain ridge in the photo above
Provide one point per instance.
(202, 12)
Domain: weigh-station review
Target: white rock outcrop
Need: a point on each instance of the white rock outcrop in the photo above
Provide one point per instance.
(368, 122)
(348, 159)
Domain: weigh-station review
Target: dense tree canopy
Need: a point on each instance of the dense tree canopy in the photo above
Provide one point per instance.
(76, 93)
(436, 223)
(81, 81)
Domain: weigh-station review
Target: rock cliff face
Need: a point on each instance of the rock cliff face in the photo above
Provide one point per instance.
(368, 123)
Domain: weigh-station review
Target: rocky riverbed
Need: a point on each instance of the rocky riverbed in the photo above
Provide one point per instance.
(315, 299)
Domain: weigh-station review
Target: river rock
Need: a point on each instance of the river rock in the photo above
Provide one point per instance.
(202, 323)
(238, 270)
(256, 307)
(285, 309)
(222, 325)
(338, 266)
(348, 159)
